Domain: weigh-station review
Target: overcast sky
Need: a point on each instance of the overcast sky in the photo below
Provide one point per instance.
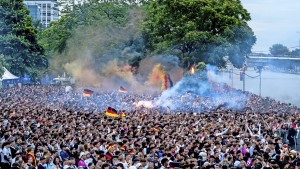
(274, 21)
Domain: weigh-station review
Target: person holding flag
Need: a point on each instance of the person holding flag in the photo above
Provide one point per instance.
(87, 92)
(122, 90)
(111, 112)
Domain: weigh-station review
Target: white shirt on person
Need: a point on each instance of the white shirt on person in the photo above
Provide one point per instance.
(102, 148)
(5, 152)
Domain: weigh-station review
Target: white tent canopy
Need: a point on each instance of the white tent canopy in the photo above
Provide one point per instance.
(7, 75)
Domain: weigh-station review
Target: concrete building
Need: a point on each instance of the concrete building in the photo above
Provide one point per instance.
(44, 10)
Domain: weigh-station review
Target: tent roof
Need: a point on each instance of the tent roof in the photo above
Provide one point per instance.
(7, 75)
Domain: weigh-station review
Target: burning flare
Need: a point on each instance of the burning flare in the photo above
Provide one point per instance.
(193, 69)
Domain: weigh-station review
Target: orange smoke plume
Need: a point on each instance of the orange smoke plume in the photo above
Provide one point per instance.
(158, 76)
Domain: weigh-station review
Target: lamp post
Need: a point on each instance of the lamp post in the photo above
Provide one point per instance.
(243, 73)
(259, 70)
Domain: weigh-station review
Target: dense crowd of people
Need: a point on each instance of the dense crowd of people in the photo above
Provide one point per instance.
(45, 127)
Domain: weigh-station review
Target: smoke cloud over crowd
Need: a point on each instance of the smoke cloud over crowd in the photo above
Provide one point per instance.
(99, 56)
(202, 88)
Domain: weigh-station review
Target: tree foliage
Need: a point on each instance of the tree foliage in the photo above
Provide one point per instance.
(2, 65)
(200, 30)
(18, 41)
(55, 38)
(279, 50)
(295, 52)
(94, 32)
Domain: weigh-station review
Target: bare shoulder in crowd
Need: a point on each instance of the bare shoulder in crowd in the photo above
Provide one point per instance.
(45, 127)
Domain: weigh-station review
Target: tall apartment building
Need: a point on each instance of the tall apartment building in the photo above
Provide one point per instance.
(43, 10)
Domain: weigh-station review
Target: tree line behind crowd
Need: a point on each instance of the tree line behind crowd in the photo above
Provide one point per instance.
(195, 31)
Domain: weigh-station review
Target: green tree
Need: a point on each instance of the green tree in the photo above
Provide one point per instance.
(55, 38)
(93, 34)
(100, 31)
(200, 30)
(295, 52)
(201, 66)
(18, 41)
(2, 65)
(279, 50)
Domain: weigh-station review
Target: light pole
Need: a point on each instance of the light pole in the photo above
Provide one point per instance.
(243, 74)
(259, 70)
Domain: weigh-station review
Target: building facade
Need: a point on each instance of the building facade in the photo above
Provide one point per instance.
(44, 10)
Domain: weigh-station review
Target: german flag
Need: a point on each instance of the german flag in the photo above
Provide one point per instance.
(156, 128)
(87, 92)
(110, 146)
(122, 90)
(131, 152)
(123, 148)
(111, 112)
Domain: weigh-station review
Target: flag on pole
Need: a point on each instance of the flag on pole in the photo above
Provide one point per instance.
(111, 112)
(122, 90)
(87, 92)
